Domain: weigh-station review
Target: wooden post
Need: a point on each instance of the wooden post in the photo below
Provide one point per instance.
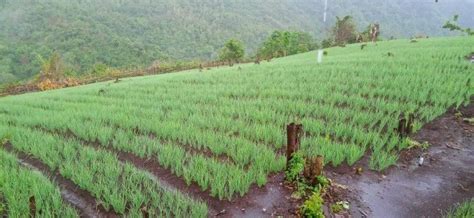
(144, 211)
(32, 206)
(409, 127)
(402, 123)
(293, 133)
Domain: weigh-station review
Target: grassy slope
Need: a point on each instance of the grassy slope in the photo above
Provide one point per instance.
(223, 128)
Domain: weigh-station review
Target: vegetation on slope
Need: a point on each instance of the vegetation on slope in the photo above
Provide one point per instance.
(223, 128)
(126, 33)
(18, 185)
(117, 186)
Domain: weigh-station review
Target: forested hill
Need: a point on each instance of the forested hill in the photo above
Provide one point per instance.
(123, 33)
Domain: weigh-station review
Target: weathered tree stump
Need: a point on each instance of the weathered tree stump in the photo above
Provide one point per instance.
(293, 132)
(313, 168)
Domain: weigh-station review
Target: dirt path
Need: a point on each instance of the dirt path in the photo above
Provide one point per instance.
(409, 190)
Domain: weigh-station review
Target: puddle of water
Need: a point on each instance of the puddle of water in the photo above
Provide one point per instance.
(78, 202)
(72, 198)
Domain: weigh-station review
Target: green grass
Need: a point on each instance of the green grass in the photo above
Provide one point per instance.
(117, 186)
(224, 129)
(464, 210)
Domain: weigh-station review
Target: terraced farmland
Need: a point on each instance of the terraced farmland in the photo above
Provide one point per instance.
(223, 130)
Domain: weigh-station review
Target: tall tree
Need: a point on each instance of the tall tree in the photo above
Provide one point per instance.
(233, 51)
(53, 68)
(345, 31)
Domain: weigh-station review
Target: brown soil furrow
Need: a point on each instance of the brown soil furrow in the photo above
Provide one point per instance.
(259, 202)
(166, 177)
(80, 199)
(272, 199)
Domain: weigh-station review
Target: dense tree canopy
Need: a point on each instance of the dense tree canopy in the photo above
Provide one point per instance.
(283, 43)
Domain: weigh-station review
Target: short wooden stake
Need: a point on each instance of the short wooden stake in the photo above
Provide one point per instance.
(313, 168)
(405, 127)
(409, 127)
(402, 123)
(318, 166)
(32, 206)
(144, 211)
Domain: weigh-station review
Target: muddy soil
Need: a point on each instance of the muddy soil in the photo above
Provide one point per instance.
(271, 200)
(445, 178)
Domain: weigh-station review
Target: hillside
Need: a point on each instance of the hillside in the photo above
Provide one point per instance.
(214, 134)
(129, 33)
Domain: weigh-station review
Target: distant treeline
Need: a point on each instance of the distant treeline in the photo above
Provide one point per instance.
(131, 34)
(55, 73)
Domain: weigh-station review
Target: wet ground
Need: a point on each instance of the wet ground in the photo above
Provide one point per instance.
(445, 178)
(272, 200)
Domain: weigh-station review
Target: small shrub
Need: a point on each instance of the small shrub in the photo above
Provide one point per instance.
(313, 207)
(295, 167)
(47, 84)
(339, 206)
(466, 209)
(323, 181)
(300, 191)
(336, 208)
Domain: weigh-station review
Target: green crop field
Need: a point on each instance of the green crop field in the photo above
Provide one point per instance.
(224, 129)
